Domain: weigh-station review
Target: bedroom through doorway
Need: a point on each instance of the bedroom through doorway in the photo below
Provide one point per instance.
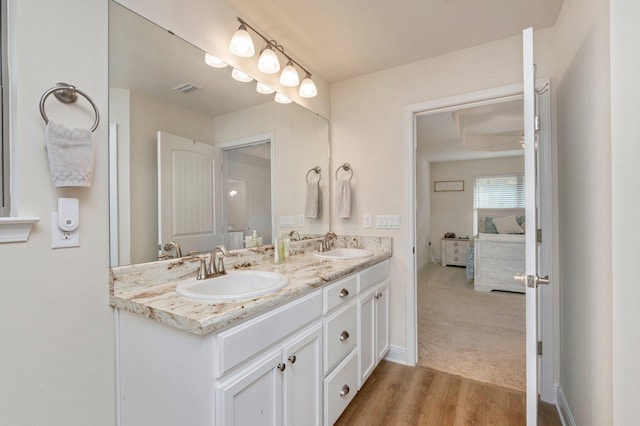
(463, 329)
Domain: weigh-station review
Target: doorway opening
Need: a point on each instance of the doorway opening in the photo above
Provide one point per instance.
(419, 172)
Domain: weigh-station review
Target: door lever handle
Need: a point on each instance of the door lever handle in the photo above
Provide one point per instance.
(531, 281)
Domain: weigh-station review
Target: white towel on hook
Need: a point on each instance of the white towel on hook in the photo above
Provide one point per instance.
(343, 198)
(71, 155)
(312, 201)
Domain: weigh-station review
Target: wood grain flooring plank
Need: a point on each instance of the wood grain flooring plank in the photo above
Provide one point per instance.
(397, 395)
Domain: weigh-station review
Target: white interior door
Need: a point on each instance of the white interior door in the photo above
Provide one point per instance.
(530, 277)
(189, 181)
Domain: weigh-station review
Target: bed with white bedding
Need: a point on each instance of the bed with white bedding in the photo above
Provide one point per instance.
(499, 250)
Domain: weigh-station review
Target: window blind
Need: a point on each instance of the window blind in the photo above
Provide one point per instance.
(504, 191)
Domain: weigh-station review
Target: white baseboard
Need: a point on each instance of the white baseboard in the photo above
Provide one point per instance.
(563, 409)
(396, 354)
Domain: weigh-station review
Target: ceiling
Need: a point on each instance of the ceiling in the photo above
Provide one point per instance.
(486, 131)
(340, 39)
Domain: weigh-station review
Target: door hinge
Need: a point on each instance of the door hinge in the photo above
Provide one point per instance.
(539, 236)
(414, 250)
(539, 348)
(536, 123)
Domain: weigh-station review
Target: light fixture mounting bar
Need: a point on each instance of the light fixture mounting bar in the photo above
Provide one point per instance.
(274, 44)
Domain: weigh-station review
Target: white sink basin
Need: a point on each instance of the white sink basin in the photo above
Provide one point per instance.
(343, 254)
(233, 285)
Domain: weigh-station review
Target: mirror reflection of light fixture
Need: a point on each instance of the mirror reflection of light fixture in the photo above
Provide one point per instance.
(264, 89)
(282, 99)
(240, 76)
(214, 61)
(241, 43)
(268, 61)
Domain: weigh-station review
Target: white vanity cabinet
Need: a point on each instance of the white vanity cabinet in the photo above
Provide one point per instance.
(282, 387)
(373, 319)
(300, 363)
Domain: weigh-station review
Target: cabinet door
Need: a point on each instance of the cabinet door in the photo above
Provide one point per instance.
(366, 334)
(303, 379)
(253, 396)
(382, 320)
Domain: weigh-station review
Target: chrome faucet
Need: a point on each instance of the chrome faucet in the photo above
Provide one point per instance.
(325, 244)
(173, 245)
(294, 232)
(216, 263)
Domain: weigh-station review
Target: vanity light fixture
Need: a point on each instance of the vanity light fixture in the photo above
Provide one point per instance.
(282, 99)
(214, 61)
(289, 76)
(241, 43)
(240, 76)
(308, 88)
(264, 89)
(268, 62)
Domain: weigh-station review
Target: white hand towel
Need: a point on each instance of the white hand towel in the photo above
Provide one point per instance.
(343, 198)
(71, 155)
(312, 200)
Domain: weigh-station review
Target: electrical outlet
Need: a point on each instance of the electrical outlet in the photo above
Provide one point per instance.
(367, 220)
(300, 221)
(60, 238)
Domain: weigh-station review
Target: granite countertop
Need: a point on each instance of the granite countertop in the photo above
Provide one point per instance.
(148, 289)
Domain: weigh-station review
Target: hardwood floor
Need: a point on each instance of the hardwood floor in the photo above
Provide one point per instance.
(396, 394)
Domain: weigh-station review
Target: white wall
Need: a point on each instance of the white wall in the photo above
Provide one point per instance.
(57, 351)
(453, 211)
(584, 187)
(367, 130)
(625, 150)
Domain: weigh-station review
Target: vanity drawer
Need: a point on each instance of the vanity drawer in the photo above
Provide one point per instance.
(340, 292)
(373, 275)
(340, 335)
(340, 387)
(243, 341)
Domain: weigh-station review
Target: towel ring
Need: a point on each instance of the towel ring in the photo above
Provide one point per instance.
(347, 168)
(316, 169)
(67, 94)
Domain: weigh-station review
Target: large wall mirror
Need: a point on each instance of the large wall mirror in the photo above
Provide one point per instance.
(197, 157)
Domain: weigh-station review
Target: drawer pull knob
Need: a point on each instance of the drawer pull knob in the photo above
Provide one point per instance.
(292, 359)
(344, 391)
(455, 244)
(281, 367)
(457, 251)
(344, 335)
(344, 292)
(378, 295)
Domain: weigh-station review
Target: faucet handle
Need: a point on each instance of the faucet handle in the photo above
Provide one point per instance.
(202, 272)
(220, 258)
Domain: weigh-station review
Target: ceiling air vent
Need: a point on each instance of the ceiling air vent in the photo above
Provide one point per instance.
(186, 87)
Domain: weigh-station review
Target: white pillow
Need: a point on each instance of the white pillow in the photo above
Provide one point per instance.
(507, 225)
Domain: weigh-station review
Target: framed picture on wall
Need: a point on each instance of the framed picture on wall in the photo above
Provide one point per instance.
(448, 185)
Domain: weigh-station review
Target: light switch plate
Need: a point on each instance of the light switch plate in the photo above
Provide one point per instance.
(300, 221)
(287, 221)
(388, 221)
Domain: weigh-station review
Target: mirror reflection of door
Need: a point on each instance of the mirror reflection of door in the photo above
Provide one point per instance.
(247, 186)
(188, 181)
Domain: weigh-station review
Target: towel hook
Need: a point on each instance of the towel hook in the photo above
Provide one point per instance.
(67, 94)
(315, 169)
(347, 168)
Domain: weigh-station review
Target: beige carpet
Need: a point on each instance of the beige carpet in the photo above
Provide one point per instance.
(480, 336)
